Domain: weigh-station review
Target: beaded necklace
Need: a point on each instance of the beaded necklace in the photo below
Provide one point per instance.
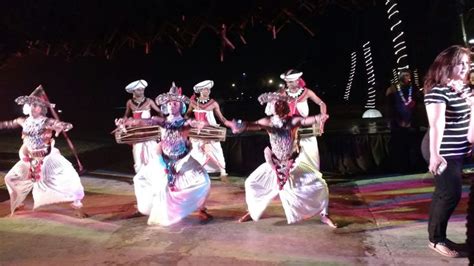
(200, 101)
(138, 102)
(295, 95)
(410, 92)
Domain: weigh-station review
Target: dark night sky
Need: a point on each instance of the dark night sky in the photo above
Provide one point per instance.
(95, 85)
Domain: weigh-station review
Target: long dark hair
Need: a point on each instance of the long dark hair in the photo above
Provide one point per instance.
(442, 67)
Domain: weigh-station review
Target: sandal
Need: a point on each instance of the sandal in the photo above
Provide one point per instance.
(443, 249)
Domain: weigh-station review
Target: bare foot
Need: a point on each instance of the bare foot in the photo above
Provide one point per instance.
(204, 216)
(135, 214)
(20, 207)
(80, 214)
(326, 220)
(245, 218)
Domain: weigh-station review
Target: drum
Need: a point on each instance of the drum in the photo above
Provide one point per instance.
(307, 132)
(209, 133)
(137, 134)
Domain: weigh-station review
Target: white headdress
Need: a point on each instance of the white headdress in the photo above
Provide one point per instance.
(137, 84)
(291, 75)
(202, 85)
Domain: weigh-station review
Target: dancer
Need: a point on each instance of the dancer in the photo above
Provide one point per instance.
(208, 152)
(174, 185)
(448, 106)
(140, 108)
(300, 186)
(41, 169)
(299, 95)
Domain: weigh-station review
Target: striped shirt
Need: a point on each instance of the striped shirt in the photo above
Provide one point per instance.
(457, 116)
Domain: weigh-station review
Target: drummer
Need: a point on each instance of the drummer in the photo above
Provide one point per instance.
(299, 95)
(208, 152)
(139, 107)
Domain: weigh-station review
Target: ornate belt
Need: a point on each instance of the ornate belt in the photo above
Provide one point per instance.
(39, 153)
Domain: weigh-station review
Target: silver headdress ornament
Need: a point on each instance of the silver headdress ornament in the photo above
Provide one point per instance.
(268, 97)
(175, 94)
(38, 96)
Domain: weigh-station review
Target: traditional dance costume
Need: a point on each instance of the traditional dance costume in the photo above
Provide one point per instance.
(309, 145)
(41, 169)
(302, 190)
(175, 184)
(143, 152)
(207, 152)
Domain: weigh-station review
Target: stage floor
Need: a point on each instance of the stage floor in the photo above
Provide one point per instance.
(383, 222)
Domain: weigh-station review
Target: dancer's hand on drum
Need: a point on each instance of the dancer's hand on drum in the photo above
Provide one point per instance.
(435, 162)
(119, 122)
(197, 125)
(324, 118)
(125, 122)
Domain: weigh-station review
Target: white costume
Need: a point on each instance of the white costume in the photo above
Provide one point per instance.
(202, 150)
(208, 153)
(303, 195)
(42, 169)
(309, 150)
(143, 152)
(174, 185)
(309, 145)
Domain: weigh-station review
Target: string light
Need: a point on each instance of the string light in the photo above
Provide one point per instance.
(395, 76)
(351, 76)
(369, 69)
(393, 16)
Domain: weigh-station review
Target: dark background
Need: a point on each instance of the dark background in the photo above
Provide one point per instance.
(89, 87)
